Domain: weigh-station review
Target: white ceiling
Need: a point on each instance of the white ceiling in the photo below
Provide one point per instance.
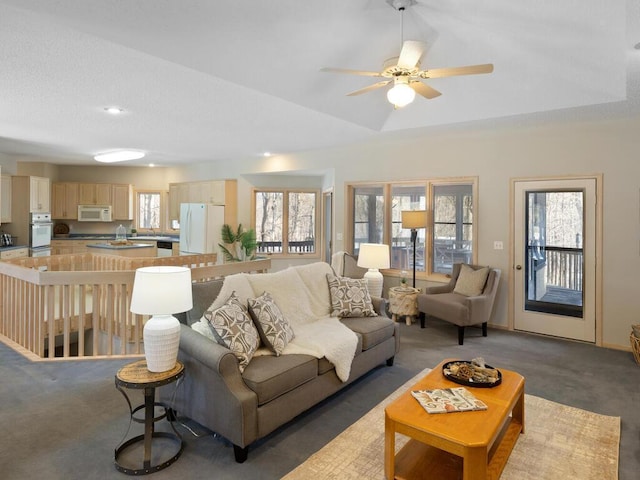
(204, 80)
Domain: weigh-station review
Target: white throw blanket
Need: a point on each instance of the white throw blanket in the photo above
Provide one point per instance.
(302, 294)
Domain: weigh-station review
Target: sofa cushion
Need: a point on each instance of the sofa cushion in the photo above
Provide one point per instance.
(275, 331)
(470, 282)
(270, 376)
(234, 329)
(373, 330)
(349, 297)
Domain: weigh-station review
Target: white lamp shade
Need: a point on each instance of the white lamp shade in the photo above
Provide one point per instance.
(161, 291)
(401, 95)
(414, 219)
(373, 255)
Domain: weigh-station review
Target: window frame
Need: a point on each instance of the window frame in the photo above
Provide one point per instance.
(429, 188)
(317, 253)
(164, 212)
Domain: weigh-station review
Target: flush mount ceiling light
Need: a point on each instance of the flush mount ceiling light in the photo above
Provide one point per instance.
(119, 156)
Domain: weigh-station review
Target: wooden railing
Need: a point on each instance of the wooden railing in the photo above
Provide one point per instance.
(77, 305)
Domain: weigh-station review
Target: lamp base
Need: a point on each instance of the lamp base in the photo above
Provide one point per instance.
(161, 336)
(374, 282)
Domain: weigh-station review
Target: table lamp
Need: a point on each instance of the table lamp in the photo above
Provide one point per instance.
(374, 256)
(414, 219)
(161, 291)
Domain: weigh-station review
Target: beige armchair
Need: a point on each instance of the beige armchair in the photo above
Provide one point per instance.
(442, 302)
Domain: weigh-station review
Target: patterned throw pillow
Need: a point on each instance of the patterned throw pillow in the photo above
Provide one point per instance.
(233, 329)
(275, 331)
(470, 282)
(349, 297)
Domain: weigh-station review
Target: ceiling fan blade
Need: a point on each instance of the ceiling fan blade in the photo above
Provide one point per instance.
(451, 72)
(350, 72)
(369, 88)
(425, 90)
(410, 54)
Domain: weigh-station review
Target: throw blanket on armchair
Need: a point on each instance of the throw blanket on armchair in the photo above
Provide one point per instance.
(302, 294)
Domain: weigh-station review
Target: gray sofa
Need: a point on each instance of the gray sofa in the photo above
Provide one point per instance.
(243, 407)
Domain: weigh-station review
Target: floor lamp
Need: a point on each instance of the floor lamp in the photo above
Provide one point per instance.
(374, 256)
(414, 219)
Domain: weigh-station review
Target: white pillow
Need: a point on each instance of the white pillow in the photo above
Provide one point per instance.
(471, 282)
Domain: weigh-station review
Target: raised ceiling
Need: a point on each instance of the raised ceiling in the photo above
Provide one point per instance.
(204, 80)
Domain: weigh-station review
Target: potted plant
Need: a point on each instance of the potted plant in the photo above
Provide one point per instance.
(239, 245)
(134, 232)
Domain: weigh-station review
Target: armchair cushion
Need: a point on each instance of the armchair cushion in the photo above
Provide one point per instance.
(471, 282)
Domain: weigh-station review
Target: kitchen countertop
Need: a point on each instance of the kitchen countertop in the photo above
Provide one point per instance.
(120, 247)
(161, 238)
(13, 247)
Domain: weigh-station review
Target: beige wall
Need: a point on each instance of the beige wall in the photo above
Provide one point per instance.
(495, 154)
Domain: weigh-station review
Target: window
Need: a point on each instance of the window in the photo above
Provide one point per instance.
(149, 210)
(285, 221)
(376, 217)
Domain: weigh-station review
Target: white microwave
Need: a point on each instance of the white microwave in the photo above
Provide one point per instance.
(94, 213)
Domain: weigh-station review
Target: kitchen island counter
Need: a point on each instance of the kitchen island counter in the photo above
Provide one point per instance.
(125, 250)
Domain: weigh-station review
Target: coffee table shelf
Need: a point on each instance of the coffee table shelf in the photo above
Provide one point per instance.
(441, 446)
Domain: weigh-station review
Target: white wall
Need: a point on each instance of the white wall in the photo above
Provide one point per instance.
(495, 155)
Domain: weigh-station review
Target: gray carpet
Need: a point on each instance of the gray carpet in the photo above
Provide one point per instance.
(62, 420)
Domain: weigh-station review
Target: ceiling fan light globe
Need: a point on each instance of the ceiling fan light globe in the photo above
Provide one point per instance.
(401, 95)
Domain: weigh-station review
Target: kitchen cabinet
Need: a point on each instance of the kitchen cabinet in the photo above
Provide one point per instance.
(5, 199)
(178, 193)
(94, 194)
(216, 192)
(39, 194)
(14, 253)
(62, 247)
(122, 201)
(64, 201)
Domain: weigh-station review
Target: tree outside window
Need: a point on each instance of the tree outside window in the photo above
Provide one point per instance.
(149, 211)
(280, 211)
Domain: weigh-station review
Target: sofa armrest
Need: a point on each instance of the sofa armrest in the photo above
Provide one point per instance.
(213, 392)
(380, 306)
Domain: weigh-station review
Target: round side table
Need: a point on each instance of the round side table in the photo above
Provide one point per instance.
(403, 302)
(137, 376)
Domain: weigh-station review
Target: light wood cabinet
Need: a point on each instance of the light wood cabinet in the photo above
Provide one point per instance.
(64, 201)
(14, 253)
(216, 192)
(5, 199)
(94, 194)
(122, 201)
(62, 247)
(39, 195)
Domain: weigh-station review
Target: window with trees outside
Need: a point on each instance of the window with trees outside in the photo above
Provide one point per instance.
(285, 221)
(149, 210)
(376, 217)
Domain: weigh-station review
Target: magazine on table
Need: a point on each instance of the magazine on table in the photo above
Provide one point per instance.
(448, 400)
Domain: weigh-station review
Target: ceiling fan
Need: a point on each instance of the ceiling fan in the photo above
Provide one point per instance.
(405, 73)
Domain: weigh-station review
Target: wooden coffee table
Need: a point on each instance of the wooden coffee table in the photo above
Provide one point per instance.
(478, 443)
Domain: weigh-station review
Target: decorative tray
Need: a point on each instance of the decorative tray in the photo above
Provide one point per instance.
(472, 374)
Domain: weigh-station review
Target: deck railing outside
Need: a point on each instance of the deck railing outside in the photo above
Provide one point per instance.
(77, 305)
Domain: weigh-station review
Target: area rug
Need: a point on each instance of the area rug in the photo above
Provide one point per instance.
(560, 442)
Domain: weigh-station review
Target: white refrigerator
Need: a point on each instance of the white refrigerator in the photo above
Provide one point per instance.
(200, 227)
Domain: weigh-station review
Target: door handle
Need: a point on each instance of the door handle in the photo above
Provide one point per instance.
(518, 267)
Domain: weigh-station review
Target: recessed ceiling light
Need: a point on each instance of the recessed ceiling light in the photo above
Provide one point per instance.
(151, 165)
(266, 154)
(114, 110)
(119, 156)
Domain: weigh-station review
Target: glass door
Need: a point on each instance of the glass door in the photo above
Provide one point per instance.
(554, 258)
